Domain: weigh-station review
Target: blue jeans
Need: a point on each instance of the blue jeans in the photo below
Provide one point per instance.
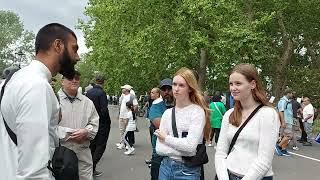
(175, 170)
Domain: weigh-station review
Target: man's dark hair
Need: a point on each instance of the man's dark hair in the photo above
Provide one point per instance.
(49, 33)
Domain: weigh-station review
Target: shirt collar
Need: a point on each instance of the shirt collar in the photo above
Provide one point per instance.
(157, 100)
(42, 69)
(64, 95)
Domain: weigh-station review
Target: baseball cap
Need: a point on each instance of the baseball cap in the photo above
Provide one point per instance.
(127, 86)
(165, 82)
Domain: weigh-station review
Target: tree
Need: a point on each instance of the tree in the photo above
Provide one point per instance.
(14, 39)
(140, 42)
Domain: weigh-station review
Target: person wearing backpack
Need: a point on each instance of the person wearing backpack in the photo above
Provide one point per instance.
(217, 111)
(249, 131)
(30, 109)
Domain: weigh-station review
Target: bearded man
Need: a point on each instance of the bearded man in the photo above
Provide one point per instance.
(30, 108)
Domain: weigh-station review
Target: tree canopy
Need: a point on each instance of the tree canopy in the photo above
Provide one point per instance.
(16, 44)
(142, 41)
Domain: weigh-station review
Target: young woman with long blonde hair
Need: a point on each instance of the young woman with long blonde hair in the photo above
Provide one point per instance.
(192, 123)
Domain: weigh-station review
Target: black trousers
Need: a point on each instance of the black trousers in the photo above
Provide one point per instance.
(155, 166)
(303, 132)
(98, 144)
(215, 132)
(130, 138)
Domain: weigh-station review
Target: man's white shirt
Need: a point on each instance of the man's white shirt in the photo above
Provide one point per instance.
(308, 110)
(31, 110)
(123, 108)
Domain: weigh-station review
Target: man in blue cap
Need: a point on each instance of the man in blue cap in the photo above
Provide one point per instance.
(155, 114)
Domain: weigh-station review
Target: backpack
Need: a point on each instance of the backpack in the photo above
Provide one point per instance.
(64, 163)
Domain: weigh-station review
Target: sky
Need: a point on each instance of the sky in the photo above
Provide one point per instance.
(36, 13)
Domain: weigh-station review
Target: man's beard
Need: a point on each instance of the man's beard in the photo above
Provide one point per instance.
(66, 65)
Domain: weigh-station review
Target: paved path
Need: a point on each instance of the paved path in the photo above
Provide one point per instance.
(117, 166)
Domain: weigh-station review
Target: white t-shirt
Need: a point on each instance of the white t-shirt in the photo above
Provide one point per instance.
(131, 126)
(123, 107)
(307, 110)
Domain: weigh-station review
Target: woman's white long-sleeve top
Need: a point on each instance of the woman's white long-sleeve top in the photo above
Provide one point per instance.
(189, 119)
(253, 151)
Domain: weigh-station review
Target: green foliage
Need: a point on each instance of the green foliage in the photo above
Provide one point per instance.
(14, 39)
(139, 42)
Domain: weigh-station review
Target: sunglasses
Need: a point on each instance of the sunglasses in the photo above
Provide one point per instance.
(77, 78)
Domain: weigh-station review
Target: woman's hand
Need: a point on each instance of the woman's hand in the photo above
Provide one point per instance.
(160, 134)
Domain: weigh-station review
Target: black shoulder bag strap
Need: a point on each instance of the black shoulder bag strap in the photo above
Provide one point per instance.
(10, 132)
(235, 137)
(174, 125)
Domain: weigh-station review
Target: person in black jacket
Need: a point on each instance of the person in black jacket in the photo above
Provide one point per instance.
(99, 143)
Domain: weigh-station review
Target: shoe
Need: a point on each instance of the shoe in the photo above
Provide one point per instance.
(149, 165)
(301, 140)
(285, 153)
(97, 173)
(148, 161)
(210, 145)
(295, 148)
(279, 151)
(121, 146)
(127, 147)
(130, 151)
(307, 144)
(118, 144)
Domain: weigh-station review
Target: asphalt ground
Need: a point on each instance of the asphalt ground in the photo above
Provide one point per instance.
(117, 166)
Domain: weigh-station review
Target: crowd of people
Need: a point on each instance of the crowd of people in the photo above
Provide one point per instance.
(247, 129)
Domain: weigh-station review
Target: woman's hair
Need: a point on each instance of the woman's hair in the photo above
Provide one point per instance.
(258, 93)
(130, 106)
(196, 96)
(157, 90)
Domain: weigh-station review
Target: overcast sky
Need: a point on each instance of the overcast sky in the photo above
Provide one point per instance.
(36, 13)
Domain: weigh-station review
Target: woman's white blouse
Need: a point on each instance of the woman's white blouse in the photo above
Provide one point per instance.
(253, 152)
(189, 119)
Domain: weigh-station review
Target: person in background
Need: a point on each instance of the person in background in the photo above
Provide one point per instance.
(252, 154)
(79, 124)
(286, 119)
(131, 127)
(295, 127)
(157, 109)
(217, 111)
(123, 120)
(307, 114)
(99, 143)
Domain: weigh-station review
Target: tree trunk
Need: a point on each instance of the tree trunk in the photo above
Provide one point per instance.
(284, 60)
(203, 67)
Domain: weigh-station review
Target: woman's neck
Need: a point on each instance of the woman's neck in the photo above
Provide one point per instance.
(181, 103)
(249, 103)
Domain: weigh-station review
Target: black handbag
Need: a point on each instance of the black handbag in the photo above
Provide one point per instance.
(235, 137)
(64, 164)
(201, 156)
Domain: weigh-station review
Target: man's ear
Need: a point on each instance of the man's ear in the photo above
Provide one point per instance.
(58, 46)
